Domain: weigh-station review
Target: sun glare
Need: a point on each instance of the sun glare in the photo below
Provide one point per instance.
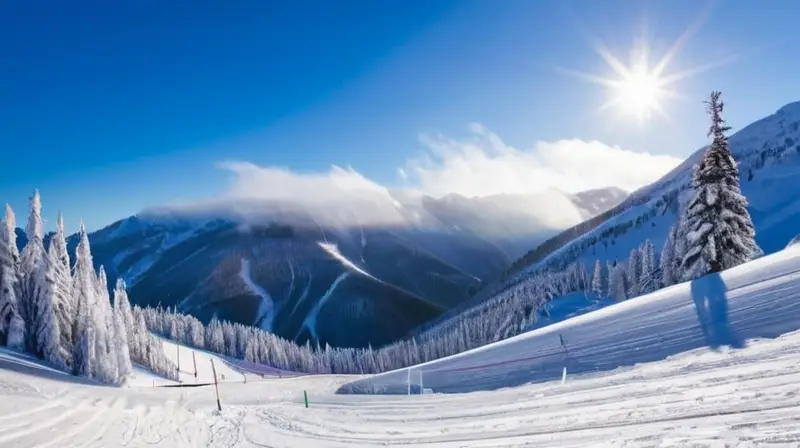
(639, 93)
(640, 88)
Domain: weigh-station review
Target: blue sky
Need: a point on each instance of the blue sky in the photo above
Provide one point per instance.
(112, 107)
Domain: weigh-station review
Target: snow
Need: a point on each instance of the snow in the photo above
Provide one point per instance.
(266, 309)
(687, 395)
(310, 322)
(762, 300)
(333, 251)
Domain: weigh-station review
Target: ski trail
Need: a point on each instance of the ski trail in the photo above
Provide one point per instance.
(101, 413)
(303, 295)
(266, 310)
(115, 409)
(43, 424)
(27, 412)
(333, 251)
(291, 287)
(310, 321)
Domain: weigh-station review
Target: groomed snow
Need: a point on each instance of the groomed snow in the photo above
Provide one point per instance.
(703, 397)
(760, 299)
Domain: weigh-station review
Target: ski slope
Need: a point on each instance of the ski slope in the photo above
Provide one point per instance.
(689, 395)
(760, 299)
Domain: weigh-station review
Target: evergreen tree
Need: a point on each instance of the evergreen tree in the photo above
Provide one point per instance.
(616, 283)
(123, 304)
(634, 266)
(107, 368)
(719, 232)
(121, 331)
(12, 326)
(83, 290)
(597, 280)
(34, 286)
(58, 258)
(667, 265)
(648, 280)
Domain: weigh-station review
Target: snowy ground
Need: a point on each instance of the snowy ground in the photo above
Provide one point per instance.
(702, 397)
(760, 299)
(749, 397)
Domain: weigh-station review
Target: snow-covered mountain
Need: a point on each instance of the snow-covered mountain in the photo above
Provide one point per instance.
(768, 155)
(349, 274)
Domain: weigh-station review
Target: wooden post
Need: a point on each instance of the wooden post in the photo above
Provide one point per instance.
(194, 361)
(216, 388)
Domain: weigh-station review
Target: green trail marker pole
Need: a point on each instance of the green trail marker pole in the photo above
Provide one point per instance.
(305, 397)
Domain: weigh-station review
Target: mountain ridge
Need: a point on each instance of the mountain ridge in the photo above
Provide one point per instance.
(368, 273)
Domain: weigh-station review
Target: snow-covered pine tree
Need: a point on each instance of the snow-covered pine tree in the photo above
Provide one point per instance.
(121, 344)
(122, 303)
(48, 328)
(668, 274)
(83, 290)
(107, 369)
(62, 289)
(617, 288)
(34, 284)
(648, 279)
(597, 280)
(12, 326)
(719, 230)
(632, 277)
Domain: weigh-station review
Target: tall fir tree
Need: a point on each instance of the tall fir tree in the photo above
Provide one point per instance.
(121, 331)
(12, 325)
(719, 232)
(597, 280)
(667, 262)
(106, 367)
(617, 288)
(648, 279)
(634, 268)
(34, 287)
(83, 290)
(62, 288)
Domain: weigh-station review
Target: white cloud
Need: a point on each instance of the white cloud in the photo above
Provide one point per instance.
(279, 184)
(483, 165)
(480, 165)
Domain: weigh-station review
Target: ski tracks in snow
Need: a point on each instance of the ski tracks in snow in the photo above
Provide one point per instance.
(266, 310)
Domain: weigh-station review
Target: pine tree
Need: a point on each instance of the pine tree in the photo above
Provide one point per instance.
(616, 283)
(122, 303)
(12, 326)
(648, 281)
(719, 230)
(668, 274)
(83, 290)
(634, 266)
(59, 262)
(121, 341)
(597, 280)
(34, 286)
(107, 368)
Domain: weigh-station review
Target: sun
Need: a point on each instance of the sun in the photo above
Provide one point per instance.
(640, 89)
(639, 93)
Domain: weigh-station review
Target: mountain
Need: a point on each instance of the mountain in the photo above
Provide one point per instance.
(361, 271)
(768, 155)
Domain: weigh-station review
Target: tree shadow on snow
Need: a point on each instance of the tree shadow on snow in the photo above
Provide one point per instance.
(711, 304)
(25, 364)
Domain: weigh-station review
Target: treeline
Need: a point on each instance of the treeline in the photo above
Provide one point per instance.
(62, 312)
